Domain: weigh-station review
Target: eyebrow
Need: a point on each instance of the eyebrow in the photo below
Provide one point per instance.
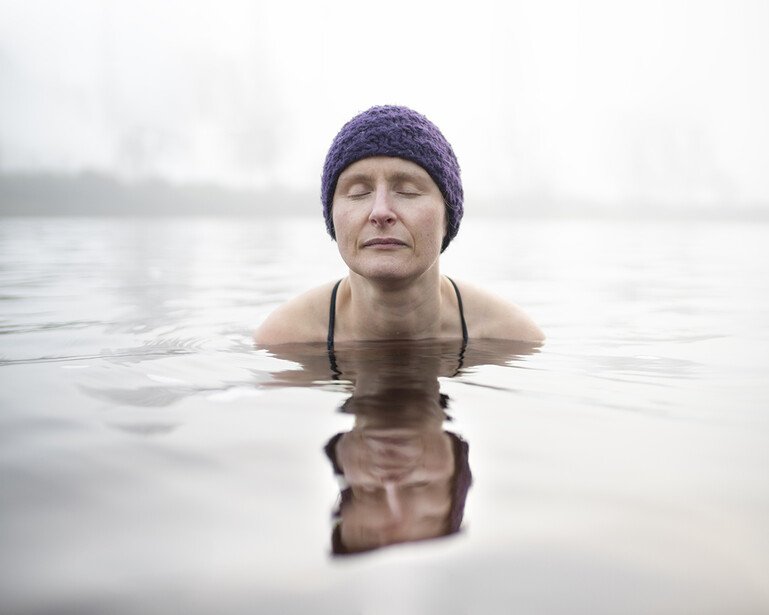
(408, 176)
(351, 179)
(396, 177)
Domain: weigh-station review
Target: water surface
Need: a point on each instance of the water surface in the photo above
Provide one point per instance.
(153, 460)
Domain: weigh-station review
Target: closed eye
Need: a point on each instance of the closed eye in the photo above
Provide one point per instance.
(358, 195)
(409, 194)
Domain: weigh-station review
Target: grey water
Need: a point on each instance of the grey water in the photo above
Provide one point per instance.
(152, 460)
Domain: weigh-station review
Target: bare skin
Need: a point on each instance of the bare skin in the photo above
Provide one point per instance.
(389, 217)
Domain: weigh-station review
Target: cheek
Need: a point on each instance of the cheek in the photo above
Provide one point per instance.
(340, 220)
(444, 223)
(435, 218)
(435, 225)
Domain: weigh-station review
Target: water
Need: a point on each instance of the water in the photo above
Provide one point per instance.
(151, 460)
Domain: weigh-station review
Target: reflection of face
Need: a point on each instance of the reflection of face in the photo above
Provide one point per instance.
(400, 481)
(392, 199)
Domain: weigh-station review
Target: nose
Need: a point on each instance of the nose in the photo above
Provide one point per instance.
(393, 500)
(382, 214)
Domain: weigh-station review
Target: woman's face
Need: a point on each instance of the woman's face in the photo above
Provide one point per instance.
(401, 485)
(389, 217)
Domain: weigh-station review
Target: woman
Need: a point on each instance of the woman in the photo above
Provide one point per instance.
(392, 198)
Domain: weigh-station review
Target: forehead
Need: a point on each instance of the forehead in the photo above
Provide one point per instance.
(384, 166)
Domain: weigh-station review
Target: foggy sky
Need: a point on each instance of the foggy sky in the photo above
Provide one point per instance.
(602, 101)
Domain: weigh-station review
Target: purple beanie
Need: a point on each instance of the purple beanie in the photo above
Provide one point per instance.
(402, 133)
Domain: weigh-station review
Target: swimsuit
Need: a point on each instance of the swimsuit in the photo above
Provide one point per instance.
(332, 316)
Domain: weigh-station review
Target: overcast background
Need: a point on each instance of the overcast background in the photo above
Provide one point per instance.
(624, 104)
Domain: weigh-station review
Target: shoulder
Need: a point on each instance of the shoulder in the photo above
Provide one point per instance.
(300, 320)
(492, 317)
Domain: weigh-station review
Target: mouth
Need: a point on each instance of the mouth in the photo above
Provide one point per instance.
(384, 242)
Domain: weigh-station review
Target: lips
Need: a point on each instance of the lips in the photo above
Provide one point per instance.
(383, 241)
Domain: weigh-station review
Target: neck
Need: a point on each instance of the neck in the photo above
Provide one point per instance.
(394, 309)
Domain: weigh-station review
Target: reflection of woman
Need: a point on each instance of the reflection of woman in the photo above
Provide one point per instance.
(393, 200)
(404, 478)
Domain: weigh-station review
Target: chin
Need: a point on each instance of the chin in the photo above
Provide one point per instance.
(383, 274)
(388, 267)
(389, 272)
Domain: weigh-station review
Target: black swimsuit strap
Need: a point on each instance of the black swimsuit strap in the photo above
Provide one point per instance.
(461, 311)
(332, 318)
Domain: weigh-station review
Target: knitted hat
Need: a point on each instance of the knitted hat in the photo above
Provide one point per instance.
(402, 133)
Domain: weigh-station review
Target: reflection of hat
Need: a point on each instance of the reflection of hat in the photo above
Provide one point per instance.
(402, 133)
(460, 485)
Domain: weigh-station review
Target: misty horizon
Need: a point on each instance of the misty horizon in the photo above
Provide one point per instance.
(630, 106)
(99, 193)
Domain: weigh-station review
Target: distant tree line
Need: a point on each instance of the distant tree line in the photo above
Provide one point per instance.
(100, 194)
(92, 193)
